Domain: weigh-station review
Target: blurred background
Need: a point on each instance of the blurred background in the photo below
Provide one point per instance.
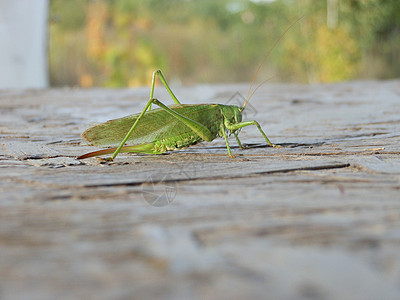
(118, 43)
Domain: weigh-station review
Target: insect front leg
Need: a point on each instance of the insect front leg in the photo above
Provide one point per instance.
(236, 126)
(222, 129)
(164, 81)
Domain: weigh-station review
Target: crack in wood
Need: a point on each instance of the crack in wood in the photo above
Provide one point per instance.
(253, 174)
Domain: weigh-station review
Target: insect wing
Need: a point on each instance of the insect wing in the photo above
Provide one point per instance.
(153, 124)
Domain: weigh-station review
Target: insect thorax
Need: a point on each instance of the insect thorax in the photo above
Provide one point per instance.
(231, 113)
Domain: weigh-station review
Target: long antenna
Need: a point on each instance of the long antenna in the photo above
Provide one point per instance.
(260, 85)
(248, 96)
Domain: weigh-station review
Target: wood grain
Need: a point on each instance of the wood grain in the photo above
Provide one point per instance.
(317, 219)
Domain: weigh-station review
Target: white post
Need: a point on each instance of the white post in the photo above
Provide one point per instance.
(23, 44)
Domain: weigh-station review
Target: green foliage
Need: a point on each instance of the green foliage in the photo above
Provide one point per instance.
(120, 42)
(69, 15)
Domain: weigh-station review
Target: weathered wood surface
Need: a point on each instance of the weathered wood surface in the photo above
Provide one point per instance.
(317, 219)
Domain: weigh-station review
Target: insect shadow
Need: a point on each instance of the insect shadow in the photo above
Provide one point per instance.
(159, 193)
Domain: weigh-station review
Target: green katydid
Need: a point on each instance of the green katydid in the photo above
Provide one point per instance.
(172, 127)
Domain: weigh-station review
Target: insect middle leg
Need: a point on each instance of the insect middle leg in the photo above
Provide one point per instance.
(239, 142)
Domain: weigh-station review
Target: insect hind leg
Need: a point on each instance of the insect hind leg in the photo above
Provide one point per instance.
(164, 81)
(146, 108)
(198, 128)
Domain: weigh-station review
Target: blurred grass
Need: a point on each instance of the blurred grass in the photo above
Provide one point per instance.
(119, 43)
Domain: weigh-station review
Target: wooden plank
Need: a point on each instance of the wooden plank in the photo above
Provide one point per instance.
(318, 218)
